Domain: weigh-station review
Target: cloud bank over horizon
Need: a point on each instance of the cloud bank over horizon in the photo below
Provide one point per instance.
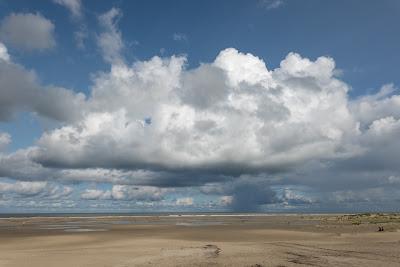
(233, 132)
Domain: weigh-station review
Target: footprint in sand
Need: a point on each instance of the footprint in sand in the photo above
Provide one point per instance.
(211, 250)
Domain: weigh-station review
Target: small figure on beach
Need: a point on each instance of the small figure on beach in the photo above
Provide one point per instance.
(380, 229)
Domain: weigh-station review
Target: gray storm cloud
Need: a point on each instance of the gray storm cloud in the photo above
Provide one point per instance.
(27, 31)
(20, 90)
(251, 196)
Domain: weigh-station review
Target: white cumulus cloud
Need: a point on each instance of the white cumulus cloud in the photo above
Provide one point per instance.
(185, 201)
(74, 6)
(5, 140)
(158, 115)
(126, 192)
(4, 53)
(110, 40)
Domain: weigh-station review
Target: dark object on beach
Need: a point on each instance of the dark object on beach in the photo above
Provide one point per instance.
(380, 229)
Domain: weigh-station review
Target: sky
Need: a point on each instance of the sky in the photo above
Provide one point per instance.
(191, 106)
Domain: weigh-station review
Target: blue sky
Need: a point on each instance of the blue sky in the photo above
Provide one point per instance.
(361, 36)
(209, 76)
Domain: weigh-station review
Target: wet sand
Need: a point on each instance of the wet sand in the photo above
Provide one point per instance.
(279, 240)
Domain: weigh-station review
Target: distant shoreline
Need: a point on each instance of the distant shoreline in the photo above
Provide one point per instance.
(167, 214)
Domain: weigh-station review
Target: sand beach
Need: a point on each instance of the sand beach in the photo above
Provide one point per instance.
(208, 240)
